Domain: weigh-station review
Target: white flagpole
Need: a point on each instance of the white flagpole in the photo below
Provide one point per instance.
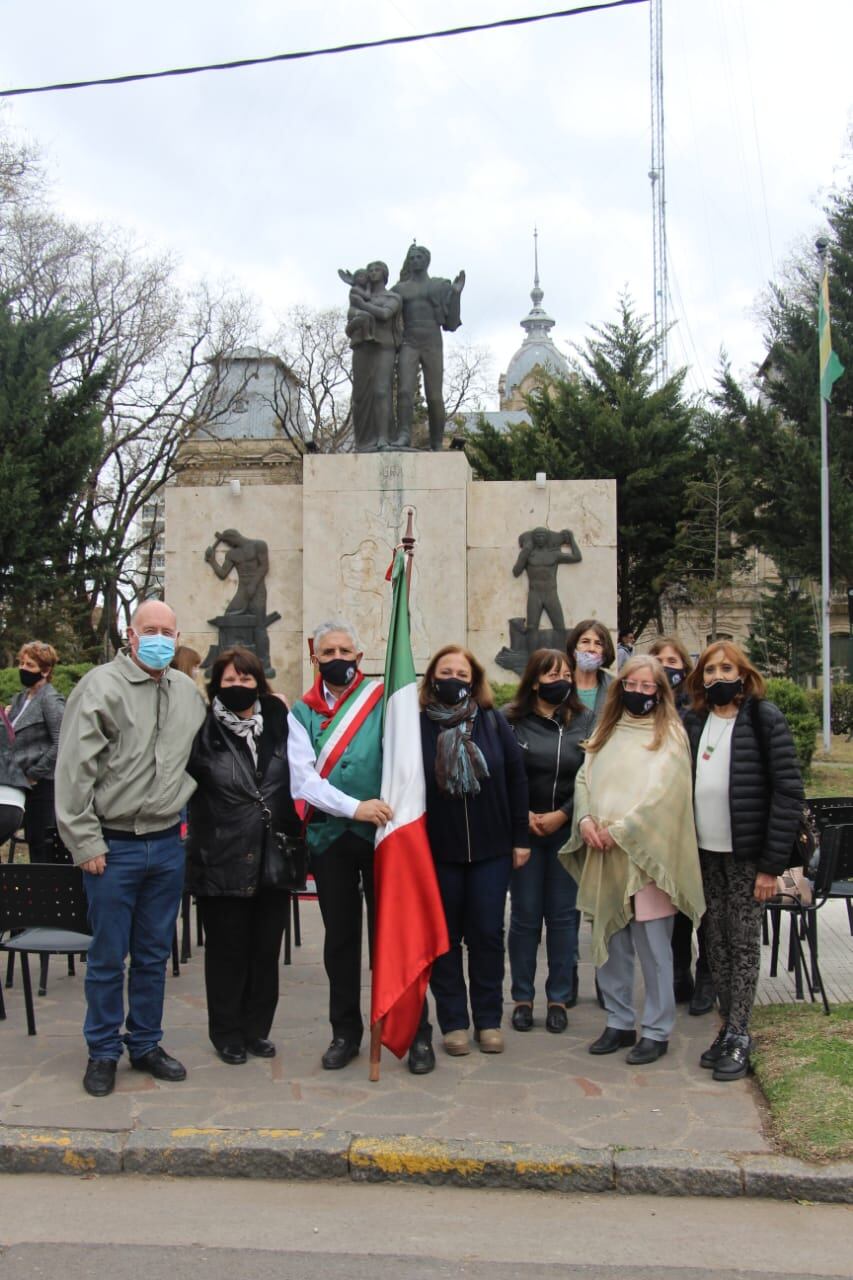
(821, 246)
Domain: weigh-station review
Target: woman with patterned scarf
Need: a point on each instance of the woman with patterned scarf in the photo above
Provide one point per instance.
(476, 811)
(239, 760)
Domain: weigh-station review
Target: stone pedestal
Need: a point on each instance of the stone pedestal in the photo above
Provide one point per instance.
(354, 510)
(332, 537)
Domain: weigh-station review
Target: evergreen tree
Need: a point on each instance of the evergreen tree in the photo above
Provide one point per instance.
(49, 437)
(779, 443)
(783, 637)
(607, 420)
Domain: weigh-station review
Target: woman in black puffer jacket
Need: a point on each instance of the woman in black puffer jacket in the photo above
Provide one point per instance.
(240, 754)
(748, 798)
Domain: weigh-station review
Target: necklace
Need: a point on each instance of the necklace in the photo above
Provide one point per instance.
(710, 747)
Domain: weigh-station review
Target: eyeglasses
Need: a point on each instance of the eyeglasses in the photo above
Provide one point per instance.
(639, 686)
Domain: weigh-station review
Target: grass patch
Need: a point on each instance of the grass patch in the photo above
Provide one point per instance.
(804, 1066)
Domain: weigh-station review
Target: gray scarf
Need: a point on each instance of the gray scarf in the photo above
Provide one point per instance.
(459, 762)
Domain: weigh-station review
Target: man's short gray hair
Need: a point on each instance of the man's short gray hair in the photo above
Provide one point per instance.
(336, 624)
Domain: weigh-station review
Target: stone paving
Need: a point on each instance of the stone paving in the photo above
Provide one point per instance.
(544, 1089)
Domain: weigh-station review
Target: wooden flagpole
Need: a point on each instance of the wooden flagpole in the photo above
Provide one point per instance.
(408, 541)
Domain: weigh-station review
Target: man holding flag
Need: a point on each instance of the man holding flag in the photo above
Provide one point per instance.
(335, 758)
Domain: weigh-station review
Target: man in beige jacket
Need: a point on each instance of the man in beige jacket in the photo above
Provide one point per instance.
(120, 787)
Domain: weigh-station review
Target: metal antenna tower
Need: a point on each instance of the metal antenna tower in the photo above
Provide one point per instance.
(657, 177)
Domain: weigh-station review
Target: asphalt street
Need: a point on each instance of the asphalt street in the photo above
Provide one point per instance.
(207, 1229)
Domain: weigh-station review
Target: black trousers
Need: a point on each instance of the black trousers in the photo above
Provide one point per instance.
(342, 873)
(10, 820)
(40, 824)
(242, 946)
(682, 946)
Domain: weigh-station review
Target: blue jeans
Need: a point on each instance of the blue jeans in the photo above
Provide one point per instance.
(474, 897)
(543, 890)
(133, 907)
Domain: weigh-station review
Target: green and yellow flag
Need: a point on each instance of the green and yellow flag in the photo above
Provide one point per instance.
(831, 367)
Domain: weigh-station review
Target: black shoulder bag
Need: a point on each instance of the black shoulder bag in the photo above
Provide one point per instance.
(284, 865)
(804, 841)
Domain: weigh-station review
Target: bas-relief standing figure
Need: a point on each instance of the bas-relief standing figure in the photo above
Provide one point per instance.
(430, 304)
(374, 328)
(540, 554)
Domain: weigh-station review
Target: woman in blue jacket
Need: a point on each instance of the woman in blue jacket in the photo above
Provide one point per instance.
(477, 813)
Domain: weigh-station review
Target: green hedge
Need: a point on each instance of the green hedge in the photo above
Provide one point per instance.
(795, 704)
(65, 676)
(503, 693)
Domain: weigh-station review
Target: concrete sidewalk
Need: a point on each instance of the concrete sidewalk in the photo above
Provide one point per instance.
(543, 1114)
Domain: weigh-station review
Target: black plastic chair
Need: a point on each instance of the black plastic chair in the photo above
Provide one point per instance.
(804, 918)
(837, 810)
(43, 911)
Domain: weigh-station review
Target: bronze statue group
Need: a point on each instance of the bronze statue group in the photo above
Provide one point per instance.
(653, 801)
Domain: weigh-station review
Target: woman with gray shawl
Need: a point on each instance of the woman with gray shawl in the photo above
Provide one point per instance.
(476, 812)
(633, 853)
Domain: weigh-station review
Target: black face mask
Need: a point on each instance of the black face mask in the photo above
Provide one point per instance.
(638, 703)
(674, 677)
(237, 697)
(555, 692)
(338, 672)
(723, 692)
(451, 691)
(29, 678)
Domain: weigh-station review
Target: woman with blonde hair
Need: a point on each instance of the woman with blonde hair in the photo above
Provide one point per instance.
(36, 717)
(476, 813)
(633, 853)
(748, 799)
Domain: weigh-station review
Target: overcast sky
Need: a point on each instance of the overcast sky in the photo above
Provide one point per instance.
(275, 176)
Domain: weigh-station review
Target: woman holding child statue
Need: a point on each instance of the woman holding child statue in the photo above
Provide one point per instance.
(374, 328)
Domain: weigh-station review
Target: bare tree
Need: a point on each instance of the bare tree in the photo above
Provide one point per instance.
(314, 346)
(164, 348)
(468, 379)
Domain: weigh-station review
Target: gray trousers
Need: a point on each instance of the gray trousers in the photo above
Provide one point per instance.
(651, 941)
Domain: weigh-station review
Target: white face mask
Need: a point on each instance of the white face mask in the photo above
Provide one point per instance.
(588, 661)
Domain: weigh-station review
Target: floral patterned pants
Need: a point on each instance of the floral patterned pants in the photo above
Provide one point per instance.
(732, 935)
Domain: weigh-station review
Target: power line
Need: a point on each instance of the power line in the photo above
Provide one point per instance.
(355, 47)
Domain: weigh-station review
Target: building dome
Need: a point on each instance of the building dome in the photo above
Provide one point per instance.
(537, 356)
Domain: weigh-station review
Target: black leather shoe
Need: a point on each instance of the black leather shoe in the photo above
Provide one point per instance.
(421, 1057)
(715, 1050)
(556, 1019)
(159, 1065)
(261, 1048)
(612, 1039)
(100, 1077)
(233, 1054)
(573, 999)
(339, 1053)
(703, 996)
(646, 1050)
(733, 1062)
(522, 1017)
(682, 986)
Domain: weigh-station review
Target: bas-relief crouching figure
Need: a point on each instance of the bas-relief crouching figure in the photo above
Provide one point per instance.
(401, 325)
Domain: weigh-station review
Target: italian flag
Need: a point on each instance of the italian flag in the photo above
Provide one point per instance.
(410, 929)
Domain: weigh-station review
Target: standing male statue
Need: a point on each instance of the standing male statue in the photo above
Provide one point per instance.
(540, 555)
(430, 304)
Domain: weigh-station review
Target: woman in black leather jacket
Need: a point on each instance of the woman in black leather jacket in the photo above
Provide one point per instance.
(239, 760)
(550, 724)
(748, 797)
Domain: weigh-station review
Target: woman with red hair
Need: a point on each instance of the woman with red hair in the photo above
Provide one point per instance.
(748, 798)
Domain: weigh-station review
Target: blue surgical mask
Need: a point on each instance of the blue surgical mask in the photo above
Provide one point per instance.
(156, 652)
